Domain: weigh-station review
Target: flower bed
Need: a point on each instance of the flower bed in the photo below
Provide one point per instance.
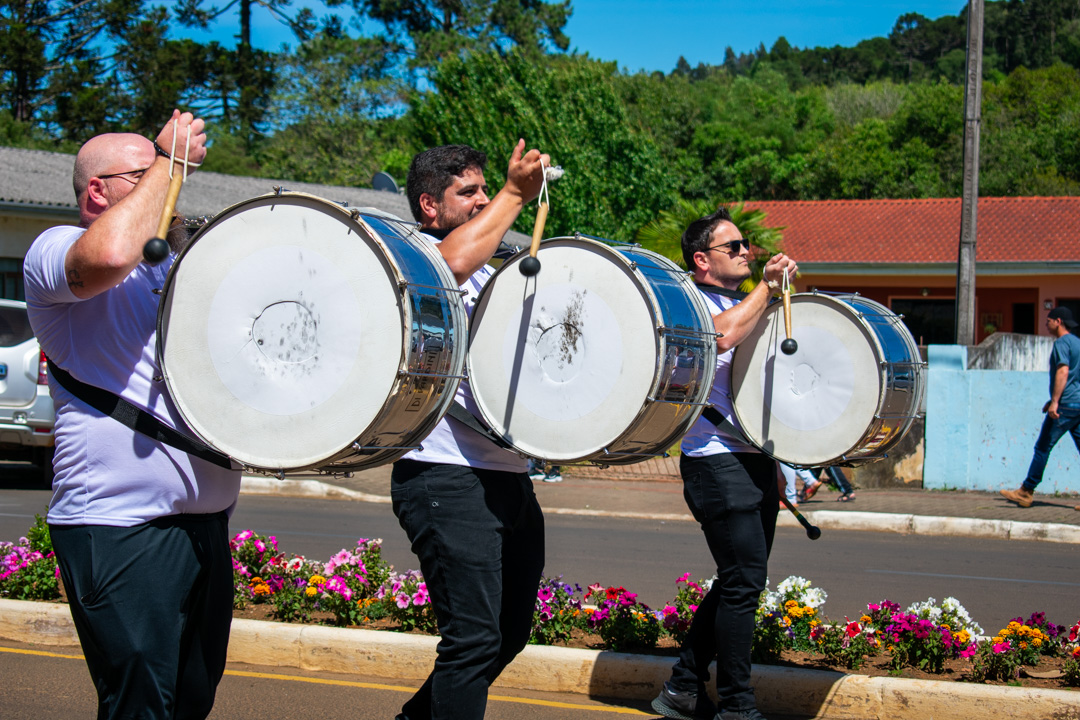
(356, 587)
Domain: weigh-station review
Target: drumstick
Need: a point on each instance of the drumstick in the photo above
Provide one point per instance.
(789, 346)
(156, 248)
(531, 265)
(812, 531)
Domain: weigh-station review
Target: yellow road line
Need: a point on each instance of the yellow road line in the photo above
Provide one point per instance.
(40, 652)
(371, 686)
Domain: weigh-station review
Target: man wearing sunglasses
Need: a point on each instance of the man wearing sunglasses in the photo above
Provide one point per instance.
(729, 485)
(140, 529)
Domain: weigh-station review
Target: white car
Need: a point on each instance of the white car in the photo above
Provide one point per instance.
(26, 408)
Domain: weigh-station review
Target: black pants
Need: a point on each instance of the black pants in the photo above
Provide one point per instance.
(152, 605)
(734, 498)
(479, 536)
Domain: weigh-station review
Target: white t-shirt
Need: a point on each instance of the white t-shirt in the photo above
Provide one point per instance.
(106, 473)
(704, 438)
(452, 443)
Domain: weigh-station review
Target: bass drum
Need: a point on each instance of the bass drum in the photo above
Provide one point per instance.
(606, 355)
(294, 333)
(846, 396)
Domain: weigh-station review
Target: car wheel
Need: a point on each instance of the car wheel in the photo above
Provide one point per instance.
(43, 458)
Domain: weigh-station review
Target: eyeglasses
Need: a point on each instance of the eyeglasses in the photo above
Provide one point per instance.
(137, 175)
(735, 246)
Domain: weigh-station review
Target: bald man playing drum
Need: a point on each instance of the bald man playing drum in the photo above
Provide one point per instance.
(140, 528)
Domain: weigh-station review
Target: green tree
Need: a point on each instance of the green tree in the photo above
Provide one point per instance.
(437, 29)
(52, 48)
(244, 77)
(568, 106)
(335, 109)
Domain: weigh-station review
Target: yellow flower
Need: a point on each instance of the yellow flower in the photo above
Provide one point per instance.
(790, 604)
(255, 580)
(317, 580)
(1037, 642)
(866, 619)
(1023, 645)
(814, 623)
(963, 637)
(310, 591)
(261, 589)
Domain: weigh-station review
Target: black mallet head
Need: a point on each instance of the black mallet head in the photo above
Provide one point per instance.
(789, 346)
(529, 266)
(813, 532)
(155, 250)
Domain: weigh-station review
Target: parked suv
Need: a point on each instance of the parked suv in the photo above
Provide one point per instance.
(26, 408)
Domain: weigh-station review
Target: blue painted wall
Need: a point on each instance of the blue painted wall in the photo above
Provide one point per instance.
(981, 427)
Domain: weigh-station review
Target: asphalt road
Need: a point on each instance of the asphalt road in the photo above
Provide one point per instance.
(56, 686)
(996, 580)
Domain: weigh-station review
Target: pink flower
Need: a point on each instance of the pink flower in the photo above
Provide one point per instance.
(683, 578)
(544, 594)
(1001, 647)
(967, 652)
(421, 596)
(402, 601)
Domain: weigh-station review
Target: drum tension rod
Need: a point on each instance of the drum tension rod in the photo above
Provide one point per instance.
(280, 190)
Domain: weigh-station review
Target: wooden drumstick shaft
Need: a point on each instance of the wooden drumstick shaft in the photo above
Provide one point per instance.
(156, 248)
(538, 229)
(170, 205)
(787, 312)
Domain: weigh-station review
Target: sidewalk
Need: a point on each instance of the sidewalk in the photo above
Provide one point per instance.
(652, 490)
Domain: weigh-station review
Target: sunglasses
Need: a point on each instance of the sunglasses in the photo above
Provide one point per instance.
(735, 246)
(137, 175)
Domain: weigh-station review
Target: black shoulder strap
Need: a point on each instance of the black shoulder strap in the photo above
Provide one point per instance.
(722, 423)
(136, 418)
(470, 421)
(717, 290)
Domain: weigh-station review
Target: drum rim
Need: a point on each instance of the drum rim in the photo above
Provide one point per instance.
(878, 352)
(612, 249)
(349, 216)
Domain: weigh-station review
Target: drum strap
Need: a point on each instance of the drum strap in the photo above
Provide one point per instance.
(136, 418)
(716, 290)
(470, 421)
(722, 423)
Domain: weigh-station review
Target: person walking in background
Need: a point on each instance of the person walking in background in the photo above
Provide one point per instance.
(1063, 408)
(833, 476)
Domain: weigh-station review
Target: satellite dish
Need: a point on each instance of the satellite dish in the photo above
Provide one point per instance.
(383, 181)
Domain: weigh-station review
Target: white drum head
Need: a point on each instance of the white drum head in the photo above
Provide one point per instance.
(814, 406)
(281, 331)
(561, 363)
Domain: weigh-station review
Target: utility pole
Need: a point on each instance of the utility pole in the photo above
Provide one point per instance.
(965, 268)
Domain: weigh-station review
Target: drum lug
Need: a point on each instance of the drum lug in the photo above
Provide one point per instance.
(280, 190)
(156, 291)
(158, 378)
(354, 213)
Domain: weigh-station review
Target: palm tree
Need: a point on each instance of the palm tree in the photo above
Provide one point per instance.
(664, 234)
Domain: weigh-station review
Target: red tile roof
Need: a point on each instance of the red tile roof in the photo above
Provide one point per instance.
(1014, 229)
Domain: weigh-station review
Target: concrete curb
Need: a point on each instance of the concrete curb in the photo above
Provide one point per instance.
(825, 519)
(396, 656)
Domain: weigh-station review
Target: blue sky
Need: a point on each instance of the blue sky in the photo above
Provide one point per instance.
(652, 34)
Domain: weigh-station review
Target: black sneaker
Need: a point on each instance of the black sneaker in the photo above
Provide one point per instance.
(683, 705)
(751, 714)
